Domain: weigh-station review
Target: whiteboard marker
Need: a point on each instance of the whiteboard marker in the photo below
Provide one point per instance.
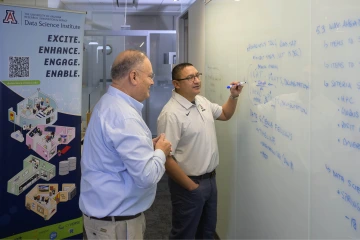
(239, 84)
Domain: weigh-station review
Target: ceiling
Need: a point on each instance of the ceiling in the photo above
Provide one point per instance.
(158, 7)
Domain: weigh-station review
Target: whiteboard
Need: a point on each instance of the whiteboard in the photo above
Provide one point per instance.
(291, 153)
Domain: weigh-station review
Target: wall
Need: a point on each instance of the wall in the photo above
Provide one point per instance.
(196, 31)
(185, 4)
(290, 154)
(55, 4)
(38, 3)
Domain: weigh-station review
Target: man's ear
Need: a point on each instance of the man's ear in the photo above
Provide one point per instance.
(133, 78)
(176, 84)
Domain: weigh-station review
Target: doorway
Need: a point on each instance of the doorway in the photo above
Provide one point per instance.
(159, 46)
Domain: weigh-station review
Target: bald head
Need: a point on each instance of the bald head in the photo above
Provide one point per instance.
(125, 62)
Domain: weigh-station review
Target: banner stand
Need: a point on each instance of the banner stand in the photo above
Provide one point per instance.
(41, 56)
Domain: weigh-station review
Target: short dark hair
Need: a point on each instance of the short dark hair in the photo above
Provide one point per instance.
(134, 58)
(176, 72)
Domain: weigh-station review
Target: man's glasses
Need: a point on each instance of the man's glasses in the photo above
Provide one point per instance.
(151, 75)
(191, 77)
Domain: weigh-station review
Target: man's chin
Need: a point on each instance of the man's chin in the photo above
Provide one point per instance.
(197, 90)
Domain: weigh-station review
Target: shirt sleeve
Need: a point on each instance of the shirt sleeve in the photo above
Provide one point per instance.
(132, 143)
(168, 123)
(216, 109)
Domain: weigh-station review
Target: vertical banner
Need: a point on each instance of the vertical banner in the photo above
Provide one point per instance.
(41, 52)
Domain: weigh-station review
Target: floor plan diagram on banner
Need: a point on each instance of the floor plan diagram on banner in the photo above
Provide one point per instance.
(37, 109)
(44, 139)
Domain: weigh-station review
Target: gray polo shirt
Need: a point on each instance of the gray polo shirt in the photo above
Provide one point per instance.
(191, 130)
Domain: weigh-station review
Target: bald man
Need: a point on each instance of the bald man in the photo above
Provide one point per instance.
(121, 163)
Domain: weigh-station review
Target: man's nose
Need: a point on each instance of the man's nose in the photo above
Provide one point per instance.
(196, 79)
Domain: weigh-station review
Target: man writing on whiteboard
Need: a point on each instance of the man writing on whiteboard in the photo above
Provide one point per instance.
(188, 122)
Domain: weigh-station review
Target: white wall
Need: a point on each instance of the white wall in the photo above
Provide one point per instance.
(185, 4)
(55, 4)
(196, 40)
(38, 3)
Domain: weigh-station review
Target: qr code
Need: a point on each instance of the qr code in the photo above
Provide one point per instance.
(19, 67)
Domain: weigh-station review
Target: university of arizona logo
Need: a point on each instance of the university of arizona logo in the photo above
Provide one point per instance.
(10, 17)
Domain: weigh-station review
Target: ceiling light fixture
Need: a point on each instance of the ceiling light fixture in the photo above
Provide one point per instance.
(93, 43)
(125, 27)
(141, 44)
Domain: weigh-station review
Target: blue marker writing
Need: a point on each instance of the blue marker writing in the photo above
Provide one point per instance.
(239, 84)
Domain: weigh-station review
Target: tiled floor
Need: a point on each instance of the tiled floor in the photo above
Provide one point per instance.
(158, 217)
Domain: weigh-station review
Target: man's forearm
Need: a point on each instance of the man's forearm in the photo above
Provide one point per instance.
(177, 174)
(229, 108)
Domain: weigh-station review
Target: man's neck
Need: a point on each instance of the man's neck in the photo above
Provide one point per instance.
(120, 87)
(189, 98)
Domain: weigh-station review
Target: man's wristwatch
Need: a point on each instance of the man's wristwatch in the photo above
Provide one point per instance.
(234, 97)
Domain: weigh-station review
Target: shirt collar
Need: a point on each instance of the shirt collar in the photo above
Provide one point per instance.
(138, 106)
(181, 100)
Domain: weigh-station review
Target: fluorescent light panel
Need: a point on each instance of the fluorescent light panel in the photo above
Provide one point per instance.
(101, 48)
